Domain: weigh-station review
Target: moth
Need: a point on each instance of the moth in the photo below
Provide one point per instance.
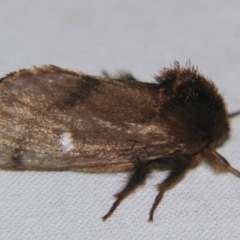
(53, 119)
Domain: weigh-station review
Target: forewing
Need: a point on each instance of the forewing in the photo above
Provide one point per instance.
(55, 119)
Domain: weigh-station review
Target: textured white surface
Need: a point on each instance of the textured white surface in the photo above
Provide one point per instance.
(142, 37)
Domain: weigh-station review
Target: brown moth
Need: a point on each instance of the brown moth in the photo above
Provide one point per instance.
(54, 119)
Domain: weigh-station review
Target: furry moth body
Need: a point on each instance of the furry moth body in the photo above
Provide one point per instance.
(55, 119)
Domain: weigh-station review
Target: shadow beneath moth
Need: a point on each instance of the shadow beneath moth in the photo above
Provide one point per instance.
(55, 119)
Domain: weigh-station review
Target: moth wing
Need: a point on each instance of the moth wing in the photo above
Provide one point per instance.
(56, 119)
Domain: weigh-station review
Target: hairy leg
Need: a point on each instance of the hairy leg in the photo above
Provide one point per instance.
(218, 162)
(136, 179)
(173, 177)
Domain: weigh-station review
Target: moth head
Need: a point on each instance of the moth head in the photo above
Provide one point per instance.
(191, 108)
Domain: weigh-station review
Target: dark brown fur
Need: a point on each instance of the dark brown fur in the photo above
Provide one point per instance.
(56, 119)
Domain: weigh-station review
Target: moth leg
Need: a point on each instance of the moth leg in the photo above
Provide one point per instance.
(173, 177)
(137, 178)
(106, 74)
(125, 76)
(218, 162)
(121, 76)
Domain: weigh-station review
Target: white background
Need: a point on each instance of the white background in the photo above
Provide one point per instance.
(141, 37)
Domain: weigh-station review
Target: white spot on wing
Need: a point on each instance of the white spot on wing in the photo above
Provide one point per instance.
(66, 142)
